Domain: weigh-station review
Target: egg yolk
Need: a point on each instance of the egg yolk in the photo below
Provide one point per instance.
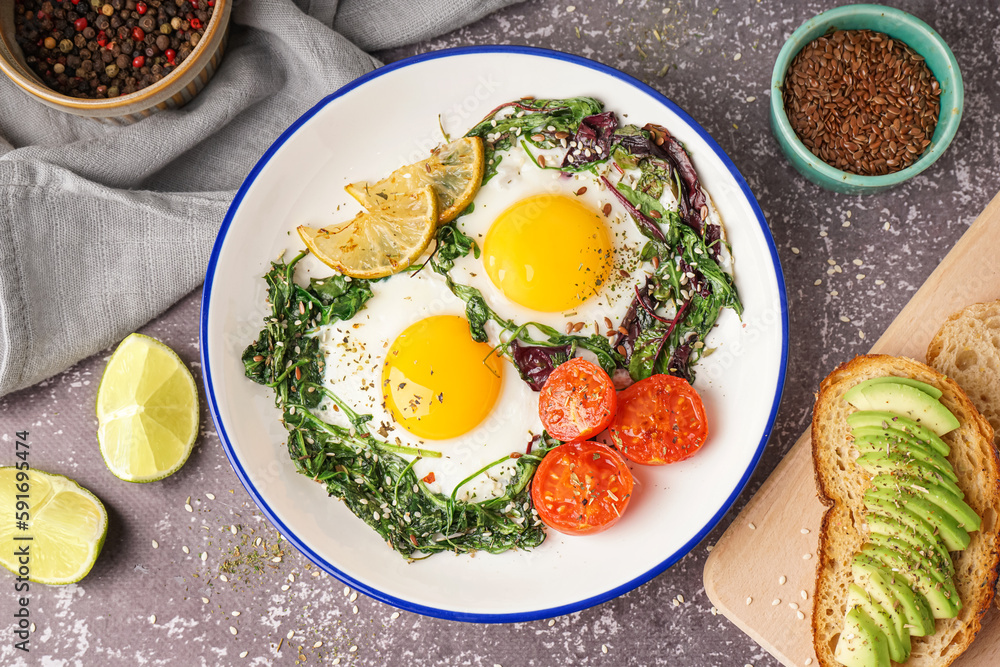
(548, 252)
(437, 382)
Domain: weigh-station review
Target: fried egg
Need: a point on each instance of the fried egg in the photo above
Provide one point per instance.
(550, 254)
(408, 360)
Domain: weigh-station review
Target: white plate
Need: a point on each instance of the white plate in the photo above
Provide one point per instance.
(389, 118)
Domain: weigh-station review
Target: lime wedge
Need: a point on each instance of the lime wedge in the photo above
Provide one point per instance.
(66, 525)
(147, 411)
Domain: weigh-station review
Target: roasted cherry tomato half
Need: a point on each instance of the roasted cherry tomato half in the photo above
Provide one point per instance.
(577, 401)
(581, 488)
(659, 420)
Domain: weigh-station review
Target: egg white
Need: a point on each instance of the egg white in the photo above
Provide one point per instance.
(355, 353)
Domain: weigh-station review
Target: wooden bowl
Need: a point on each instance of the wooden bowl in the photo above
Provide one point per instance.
(170, 92)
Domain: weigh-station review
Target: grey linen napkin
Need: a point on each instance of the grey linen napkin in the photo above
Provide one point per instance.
(103, 228)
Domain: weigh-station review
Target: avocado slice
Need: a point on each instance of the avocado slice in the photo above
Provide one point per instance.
(875, 587)
(874, 576)
(945, 526)
(964, 515)
(930, 390)
(931, 560)
(907, 401)
(942, 596)
(861, 643)
(925, 545)
(882, 510)
(878, 462)
(907, 450)
(859, 597)
(887, 420)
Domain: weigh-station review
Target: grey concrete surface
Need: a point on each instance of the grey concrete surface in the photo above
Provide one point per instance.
(147, 604)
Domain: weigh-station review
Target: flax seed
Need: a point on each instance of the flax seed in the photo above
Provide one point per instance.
(862, 102)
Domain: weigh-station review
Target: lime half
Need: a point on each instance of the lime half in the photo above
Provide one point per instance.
(66, 525)
(147, 411)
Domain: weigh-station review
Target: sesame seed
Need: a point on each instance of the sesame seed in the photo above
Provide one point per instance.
(793, 605)
(317, 644)
(751, 98)
(347, 591)
(354, 596)
(880, 282)
(861, 334)
(244, 654)
(232, 630)
(817, 282)
(571, 8)
(223, 577)
(806, 556)
(808, 661)
(285, 587)
(844, 318)
(204, 555)
(188, 508)
(831, 262)
(152, 619)
(847, 223)
(737, 56)
(860, 276)
(232, 529)
(205, 600)
(803, 595)
(749, 601)
(800, 615)
(834, 292)
(353, 649)
(276, 559)
(354, 609)
(715, 612)
(822, 233)
(848, 214)
(394, 616)
(552, 622)
(782, 579)
(886, 226)
(291, 633)
(795, 250)
(751, 526)
(857, 262)
(156, 544)
(804, 531)
(235, 613)
(185, 550)
(604, 648)
(32, 628)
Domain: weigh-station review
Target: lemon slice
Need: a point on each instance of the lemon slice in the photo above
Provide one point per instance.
(454, 170)
(147, 411)
(384, 240)
(66, 525)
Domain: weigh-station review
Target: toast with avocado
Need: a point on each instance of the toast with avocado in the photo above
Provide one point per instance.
(908, 548)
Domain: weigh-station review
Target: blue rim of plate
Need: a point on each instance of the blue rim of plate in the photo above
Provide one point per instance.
(517, 617)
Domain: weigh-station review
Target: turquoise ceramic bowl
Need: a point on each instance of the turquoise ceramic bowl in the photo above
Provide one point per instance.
(898, 25)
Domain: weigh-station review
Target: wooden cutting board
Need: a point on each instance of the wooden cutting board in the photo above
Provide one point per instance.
(775, 536)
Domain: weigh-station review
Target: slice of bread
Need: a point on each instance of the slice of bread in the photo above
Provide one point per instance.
(967, 349)
(842, 484)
